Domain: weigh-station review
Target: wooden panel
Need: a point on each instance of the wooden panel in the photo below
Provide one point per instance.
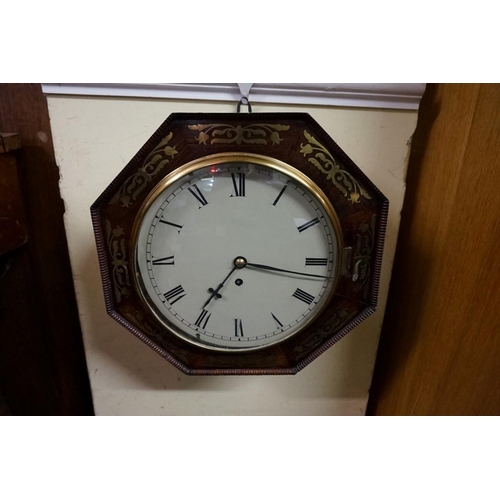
(45, 371)
(4, 407)
(13, 231)
(26, 363)
(440, 346)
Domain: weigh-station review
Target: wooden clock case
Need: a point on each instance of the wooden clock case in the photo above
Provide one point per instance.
(293, 138)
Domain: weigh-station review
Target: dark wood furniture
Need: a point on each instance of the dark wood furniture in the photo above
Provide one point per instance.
(42, 361)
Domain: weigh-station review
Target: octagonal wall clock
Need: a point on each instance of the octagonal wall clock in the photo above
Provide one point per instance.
(240, 243)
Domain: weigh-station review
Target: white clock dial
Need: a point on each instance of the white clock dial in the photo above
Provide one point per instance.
(236, 255)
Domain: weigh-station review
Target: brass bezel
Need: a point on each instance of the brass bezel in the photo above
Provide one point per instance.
(216, 159)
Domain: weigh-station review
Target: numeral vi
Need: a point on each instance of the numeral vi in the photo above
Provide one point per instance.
(238, 328)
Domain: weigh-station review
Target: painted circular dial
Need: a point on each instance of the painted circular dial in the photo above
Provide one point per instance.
(236, 255)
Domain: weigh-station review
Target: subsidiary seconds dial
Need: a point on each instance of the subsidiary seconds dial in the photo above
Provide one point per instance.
(236, 252)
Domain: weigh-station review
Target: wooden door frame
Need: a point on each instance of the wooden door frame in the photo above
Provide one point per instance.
(440, 345)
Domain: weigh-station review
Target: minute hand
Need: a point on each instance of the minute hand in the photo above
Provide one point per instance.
(271, 268)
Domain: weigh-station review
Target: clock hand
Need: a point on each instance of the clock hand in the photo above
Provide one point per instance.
(238, 263)
(271, 268)
(216, 291)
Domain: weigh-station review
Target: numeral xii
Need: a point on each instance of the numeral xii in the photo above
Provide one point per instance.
(239, 186)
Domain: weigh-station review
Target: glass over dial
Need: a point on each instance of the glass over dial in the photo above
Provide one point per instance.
(236, 252)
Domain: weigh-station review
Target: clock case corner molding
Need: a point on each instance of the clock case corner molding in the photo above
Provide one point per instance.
(404, 96)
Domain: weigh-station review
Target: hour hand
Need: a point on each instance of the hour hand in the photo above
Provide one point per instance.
(217, 295)
(272, 268)
(238, 263)
(214, 293)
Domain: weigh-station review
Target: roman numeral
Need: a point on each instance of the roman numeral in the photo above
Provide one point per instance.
(198, 195)
(177, 226)
(303, 296)
(280, 195)
(307, 225)
(239, 187)
(165, 261)
(278, 322)
(238, 328)
(176, 294)
(316, 262)
(203, 318)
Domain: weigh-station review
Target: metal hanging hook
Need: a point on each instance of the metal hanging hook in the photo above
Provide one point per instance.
(246, 102)
(244, 93)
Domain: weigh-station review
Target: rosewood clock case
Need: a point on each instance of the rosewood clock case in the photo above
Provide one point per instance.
(293, 138)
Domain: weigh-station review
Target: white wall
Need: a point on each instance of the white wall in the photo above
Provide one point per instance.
(94, 138)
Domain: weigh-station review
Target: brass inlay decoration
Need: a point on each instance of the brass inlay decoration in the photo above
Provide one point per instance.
(221, 133)
(141, 321)
(365, 241)
(120, 272)
(153, 164)
(325, 162)
(335, 323)
(241, 361)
